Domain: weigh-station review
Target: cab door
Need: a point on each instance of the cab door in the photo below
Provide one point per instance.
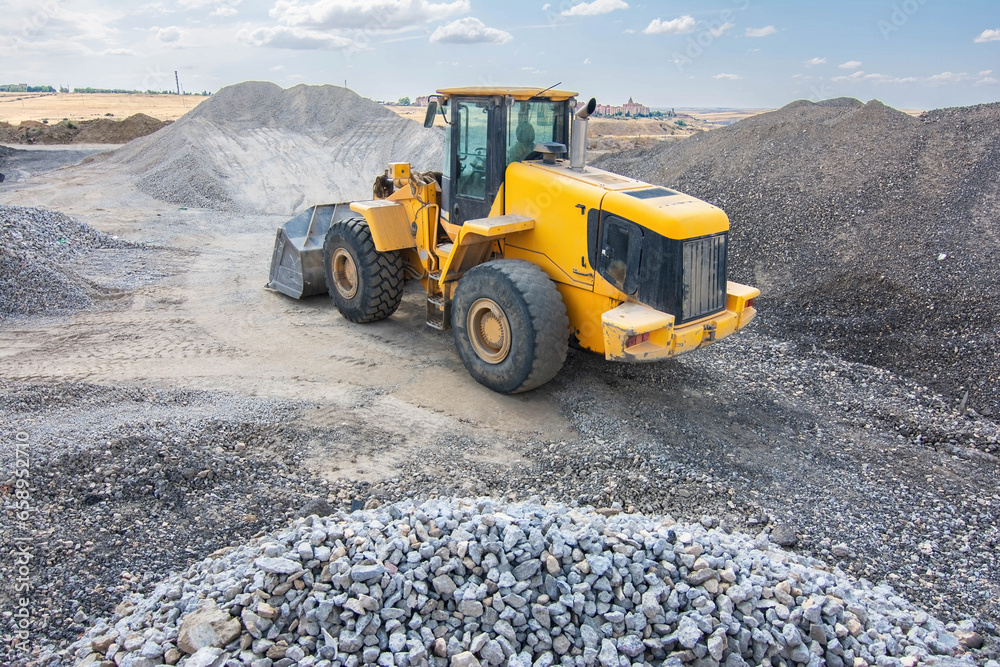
(477, 158)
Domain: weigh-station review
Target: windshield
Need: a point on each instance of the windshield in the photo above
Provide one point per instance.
(531, 122)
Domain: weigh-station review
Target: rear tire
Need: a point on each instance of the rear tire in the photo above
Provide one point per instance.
(366, 285)
(510, 326)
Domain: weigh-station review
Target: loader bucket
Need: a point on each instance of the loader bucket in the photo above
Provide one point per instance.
(297, 263)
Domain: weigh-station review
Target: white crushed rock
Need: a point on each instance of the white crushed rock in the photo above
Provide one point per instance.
(255, 147)
(476, 582)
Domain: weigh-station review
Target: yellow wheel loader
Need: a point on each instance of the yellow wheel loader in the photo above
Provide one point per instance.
(521, 247)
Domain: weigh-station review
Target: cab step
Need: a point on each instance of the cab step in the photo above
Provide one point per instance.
(439, 312)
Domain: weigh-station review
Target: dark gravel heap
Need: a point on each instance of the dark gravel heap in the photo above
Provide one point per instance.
(871, 233)
(39, 252)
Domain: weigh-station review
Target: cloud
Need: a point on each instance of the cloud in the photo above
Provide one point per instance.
(988, 36)
(815, 61)
(587, 61)
(728, 77)
(169, 34)
(948, 77)
(303, 39)
(276, 68)
(546, 7)
(595, 8)
(850, 64)
(370, 15)
(718, 31)
(678, 26)
(761, 32)
(225, 11)
(860, 76)
(118, 52)
(469, 31)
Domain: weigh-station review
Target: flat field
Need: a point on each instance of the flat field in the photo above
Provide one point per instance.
(15, 107)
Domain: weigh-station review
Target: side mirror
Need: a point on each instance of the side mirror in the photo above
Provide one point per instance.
(432, 109)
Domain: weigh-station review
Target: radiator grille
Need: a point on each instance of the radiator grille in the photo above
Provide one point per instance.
(703, 277)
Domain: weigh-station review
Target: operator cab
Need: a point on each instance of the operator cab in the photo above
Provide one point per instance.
(488, 128)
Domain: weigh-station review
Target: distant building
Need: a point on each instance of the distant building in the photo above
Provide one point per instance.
(423, 101)
(630, 109)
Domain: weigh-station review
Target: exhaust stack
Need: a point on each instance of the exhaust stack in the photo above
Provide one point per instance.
(578, 152)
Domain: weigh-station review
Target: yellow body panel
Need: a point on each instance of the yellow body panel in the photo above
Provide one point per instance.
(558, 242)
(666, 340)
(389, 223)
(518, 93)
(399, 170)
(675, 217)
(559, 200)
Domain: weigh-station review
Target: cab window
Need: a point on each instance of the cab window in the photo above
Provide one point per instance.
(473, 119)
(531, 122)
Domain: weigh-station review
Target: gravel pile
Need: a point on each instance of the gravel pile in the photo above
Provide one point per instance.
(464, 583)
(96, 131)
(871, 233)
(38, 251)
(255, 147)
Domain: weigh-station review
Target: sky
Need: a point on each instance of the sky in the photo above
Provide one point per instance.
(911, 54)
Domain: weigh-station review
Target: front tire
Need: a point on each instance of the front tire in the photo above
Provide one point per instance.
(366, 285)
(510, 326)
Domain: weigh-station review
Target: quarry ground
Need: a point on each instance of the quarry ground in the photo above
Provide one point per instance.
(285, 402)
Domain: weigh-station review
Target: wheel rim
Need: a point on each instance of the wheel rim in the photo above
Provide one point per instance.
(489, 331)
(345, 273)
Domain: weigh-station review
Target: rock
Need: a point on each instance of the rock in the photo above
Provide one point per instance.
(599, 565)
(631, 646)
(840, 550)
(969, 640)
(317, 506)
(103, 643)
(473, 608)
(207, 627)
(206, 656)
(278, 565)
(608, 657)
(362, 573)
(464, 659)
(688, 633)
(444, 585)
(784, 535)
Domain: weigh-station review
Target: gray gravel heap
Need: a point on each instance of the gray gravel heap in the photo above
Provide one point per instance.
(37, 248)
(255, 147)
(474, 582)
(871, 233)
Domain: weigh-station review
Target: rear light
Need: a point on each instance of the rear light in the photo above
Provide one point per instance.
(750, 303)
(637, 339)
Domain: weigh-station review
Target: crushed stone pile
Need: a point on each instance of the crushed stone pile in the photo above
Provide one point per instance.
(474, 582)
(873, 234)
(97, 131)
(255, 147)
(37, 249)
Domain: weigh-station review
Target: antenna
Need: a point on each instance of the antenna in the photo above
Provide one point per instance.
(548, 89)
(178, 80)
